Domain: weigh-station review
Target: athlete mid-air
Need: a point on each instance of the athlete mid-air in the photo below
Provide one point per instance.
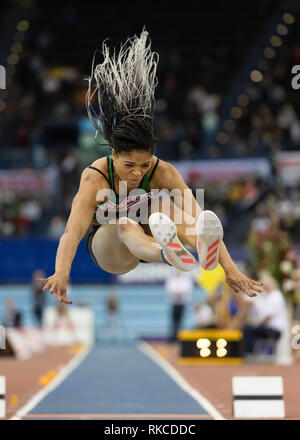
(125, 202)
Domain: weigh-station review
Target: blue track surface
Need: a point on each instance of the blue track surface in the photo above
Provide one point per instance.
(114, 380)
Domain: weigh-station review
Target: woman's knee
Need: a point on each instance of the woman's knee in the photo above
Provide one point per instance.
(125, 226)
(116, 259)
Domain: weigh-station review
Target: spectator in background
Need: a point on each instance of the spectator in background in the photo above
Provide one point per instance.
(30, 212)
(266, 314)
(64, 327)
(220, 303)
(70, 173)
(39, 296)
(222, 309)
(12, 316)
(112, 307)
(179, 287)
(203, 315)
(56, 228)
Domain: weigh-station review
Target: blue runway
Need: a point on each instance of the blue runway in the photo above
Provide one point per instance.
(118, 382)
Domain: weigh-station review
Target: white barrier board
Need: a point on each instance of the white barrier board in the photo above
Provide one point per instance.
(2, 396)
(258, 397)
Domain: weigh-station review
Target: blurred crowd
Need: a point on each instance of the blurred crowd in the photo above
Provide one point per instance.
(47, 101)
(39, 213)
(45, 114)
(267, 117)
(264, 321)
(13, 316)
(48, 86)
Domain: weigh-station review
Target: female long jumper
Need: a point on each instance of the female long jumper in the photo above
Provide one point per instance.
(133, 206)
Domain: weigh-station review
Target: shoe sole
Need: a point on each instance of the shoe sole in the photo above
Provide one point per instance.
(165, 233)
(209, 238)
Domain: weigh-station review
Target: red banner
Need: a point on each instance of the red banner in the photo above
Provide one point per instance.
(28, 181)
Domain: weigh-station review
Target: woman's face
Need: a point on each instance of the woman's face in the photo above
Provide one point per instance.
(131, 167)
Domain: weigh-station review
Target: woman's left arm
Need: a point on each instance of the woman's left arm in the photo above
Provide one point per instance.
(184, 199)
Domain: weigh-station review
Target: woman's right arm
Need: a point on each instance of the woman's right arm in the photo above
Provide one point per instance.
(80, 218)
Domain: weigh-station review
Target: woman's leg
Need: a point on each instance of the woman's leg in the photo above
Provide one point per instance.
(118, 248)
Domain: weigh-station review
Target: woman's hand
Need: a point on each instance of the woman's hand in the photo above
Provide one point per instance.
(57, 284)
(241, 284)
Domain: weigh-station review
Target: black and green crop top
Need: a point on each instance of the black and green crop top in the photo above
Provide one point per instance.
(144, 184)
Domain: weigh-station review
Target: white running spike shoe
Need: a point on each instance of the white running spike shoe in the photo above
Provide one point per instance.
(165, 233)
(209, 238)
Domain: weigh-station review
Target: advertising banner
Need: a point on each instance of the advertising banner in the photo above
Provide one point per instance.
(223, 170)
(68, 326)
(288, 167)
(28, 181)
